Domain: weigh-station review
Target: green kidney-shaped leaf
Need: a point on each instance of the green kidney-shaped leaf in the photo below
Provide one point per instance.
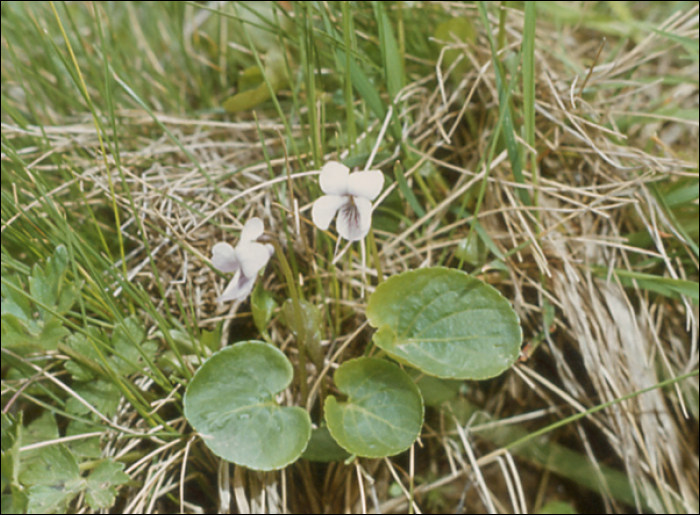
(231, 403)
(384, 411)
(445, 323)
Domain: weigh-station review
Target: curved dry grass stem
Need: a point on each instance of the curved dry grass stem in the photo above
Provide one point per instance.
(602, 155)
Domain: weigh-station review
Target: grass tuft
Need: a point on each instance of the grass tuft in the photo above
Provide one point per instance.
(549, 150)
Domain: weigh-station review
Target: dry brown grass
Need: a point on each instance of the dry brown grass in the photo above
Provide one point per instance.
(605, 342)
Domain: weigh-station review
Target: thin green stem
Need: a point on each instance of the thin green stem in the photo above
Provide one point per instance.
(298, 321)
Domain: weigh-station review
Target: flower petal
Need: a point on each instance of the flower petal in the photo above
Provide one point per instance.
(238, 289)
(224, 257)
(355, 219)
(253, 257)
(366, 184)
(325, 209)
(334, 178)
(252, 230)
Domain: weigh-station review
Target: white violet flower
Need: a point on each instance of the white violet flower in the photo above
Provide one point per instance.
(349, 195)
(246, 260)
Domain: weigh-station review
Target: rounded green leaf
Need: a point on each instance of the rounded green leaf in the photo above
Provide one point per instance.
(322, 447)
(445, 323)
(231, 403)
(384, 411)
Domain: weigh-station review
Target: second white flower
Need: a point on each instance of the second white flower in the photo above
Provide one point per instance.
(246, 260)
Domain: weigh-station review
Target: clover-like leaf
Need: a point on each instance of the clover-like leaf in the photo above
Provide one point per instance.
(231, 403)
(384, 411)
(29, 321)
(102, 394)
(11, 439)
(445, 323)
(100, 487)
(53, 480)
(130, 349)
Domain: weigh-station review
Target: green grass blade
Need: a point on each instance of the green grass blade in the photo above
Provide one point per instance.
(504, 93)
(528, 71)
(406, 191)
(391, 57)
(666, 286)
